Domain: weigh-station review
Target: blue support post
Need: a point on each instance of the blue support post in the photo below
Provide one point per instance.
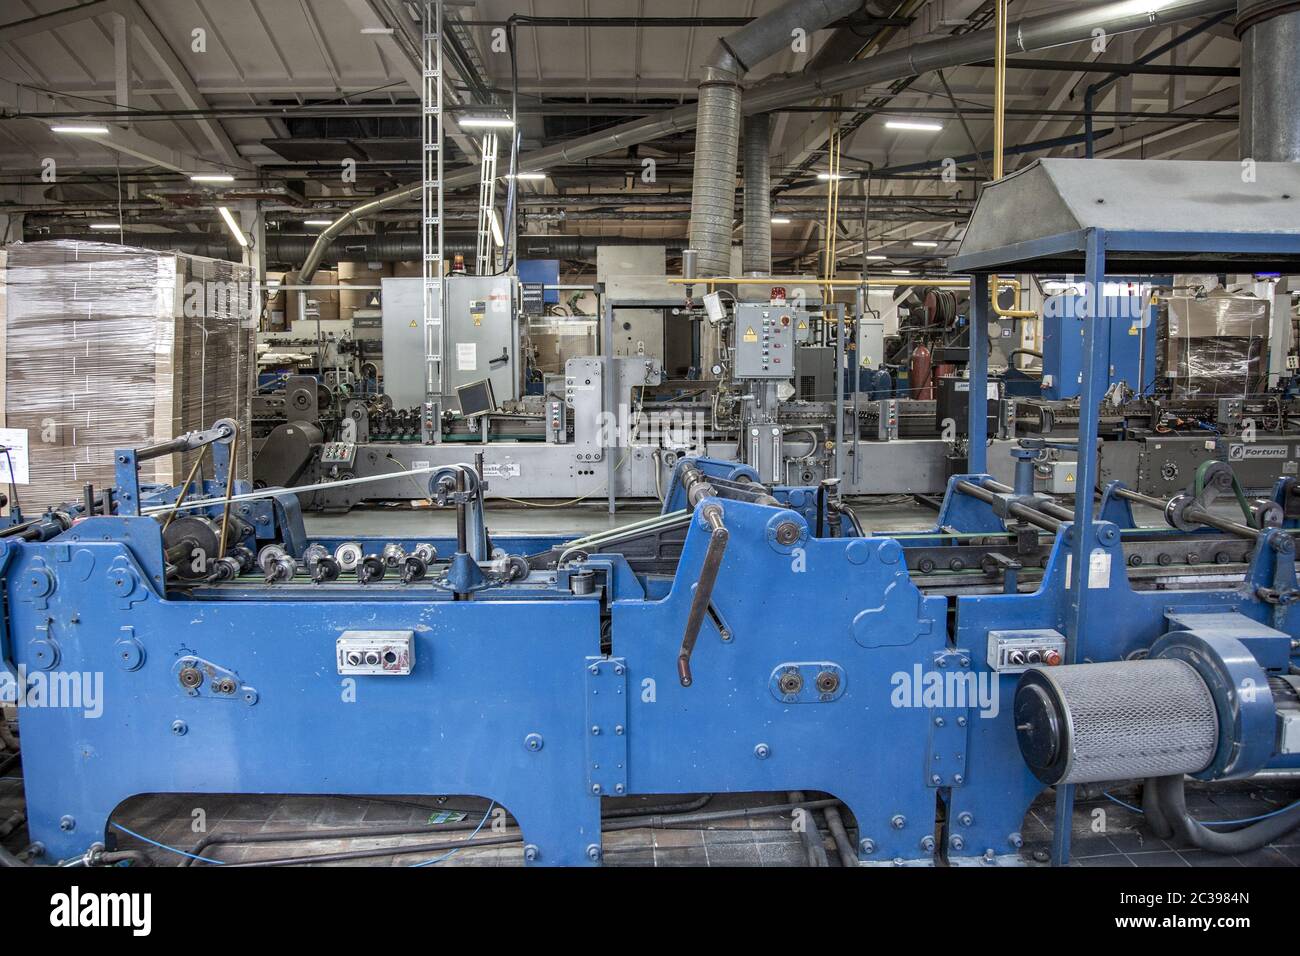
(977, 428)
(1084, 532)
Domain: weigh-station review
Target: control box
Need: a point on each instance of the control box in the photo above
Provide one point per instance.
(1011, 652)
(557, 417)
(764, 340)
(342, 453)
(381, 653)
(887, 419)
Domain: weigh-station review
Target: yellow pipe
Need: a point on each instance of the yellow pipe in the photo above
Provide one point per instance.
(998, 283)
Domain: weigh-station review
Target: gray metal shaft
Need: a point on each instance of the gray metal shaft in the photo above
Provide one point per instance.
(1036, 518)
(1033, 33)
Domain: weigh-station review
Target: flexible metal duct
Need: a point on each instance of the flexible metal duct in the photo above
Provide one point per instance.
(1270, 80)
(717, 131)
(756, 255)
(1026, 35)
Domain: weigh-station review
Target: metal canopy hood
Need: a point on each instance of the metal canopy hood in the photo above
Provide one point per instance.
(1156, 214)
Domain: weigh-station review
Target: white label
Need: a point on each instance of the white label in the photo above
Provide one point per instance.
(466, 357)
(1099, 569)
(417, 465)
(13, 461)
(503, 469)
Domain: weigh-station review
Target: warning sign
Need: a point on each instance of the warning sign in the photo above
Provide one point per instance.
(802, 326)
(413, 325)
(751, 335)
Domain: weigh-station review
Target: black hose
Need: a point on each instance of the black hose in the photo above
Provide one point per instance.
(1151, 810)
(1173, 804)
(843, 845)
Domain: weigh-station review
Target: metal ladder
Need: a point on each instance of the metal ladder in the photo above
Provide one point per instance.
(432, 220)
(487, 196)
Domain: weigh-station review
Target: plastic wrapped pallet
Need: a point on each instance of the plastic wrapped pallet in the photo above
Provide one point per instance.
(108, 347)
(1213, 345)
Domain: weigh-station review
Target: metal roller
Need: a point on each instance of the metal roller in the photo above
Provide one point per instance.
(1085, 723)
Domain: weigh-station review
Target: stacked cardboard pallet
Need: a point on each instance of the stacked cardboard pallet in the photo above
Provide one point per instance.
(108, 347)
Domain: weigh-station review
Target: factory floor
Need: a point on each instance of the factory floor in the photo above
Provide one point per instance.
(1105, 833)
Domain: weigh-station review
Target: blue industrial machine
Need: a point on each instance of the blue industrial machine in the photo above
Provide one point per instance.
(749, 638)
(1128, 340)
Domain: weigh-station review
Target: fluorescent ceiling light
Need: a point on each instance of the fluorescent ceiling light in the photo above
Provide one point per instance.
(530, 176)
(485, 122)
(925, 243)
(233, 226)
(497, 237)
(377, 31)
(318, 222)
(828, 176)
(918, 125)
(876, 258)
(212, 178)
(780, 221)
(901, 272)
(80, 130)
(105, 225)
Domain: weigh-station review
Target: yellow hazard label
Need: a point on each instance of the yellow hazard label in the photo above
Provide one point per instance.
(802, 326)
(751, 335)
(1132, 330)
(1069, 478)
(413, 325)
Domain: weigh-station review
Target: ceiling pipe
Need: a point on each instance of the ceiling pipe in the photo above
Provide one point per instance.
(392, 247)
(1025, 35)
(1270, 80)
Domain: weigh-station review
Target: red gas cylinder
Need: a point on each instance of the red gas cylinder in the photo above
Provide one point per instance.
(920, 382)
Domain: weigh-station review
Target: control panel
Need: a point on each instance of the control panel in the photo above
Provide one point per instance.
(338, 453)
(764, 340)
(557, 414)
(887, 419)
(384, 653)
(1011, 652)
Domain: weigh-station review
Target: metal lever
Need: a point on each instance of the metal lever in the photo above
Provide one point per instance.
(703, 590)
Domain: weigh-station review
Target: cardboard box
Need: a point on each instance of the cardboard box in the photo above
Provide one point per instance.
(108, 347)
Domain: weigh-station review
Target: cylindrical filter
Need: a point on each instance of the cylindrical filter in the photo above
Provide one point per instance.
(1122, 720)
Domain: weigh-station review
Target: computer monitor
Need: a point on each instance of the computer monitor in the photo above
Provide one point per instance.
(476, 398)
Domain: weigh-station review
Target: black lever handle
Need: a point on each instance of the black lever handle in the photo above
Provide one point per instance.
(703, 590)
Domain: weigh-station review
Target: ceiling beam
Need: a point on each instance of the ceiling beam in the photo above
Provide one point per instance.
(20, 99)
(155, 44)
(45, 22)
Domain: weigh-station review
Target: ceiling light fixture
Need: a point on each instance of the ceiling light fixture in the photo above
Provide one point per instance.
(920, 126)
(233, 226)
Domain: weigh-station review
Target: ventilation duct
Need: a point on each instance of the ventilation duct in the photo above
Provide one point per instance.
(717, 133)
(756, 253)
(1270, 80)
